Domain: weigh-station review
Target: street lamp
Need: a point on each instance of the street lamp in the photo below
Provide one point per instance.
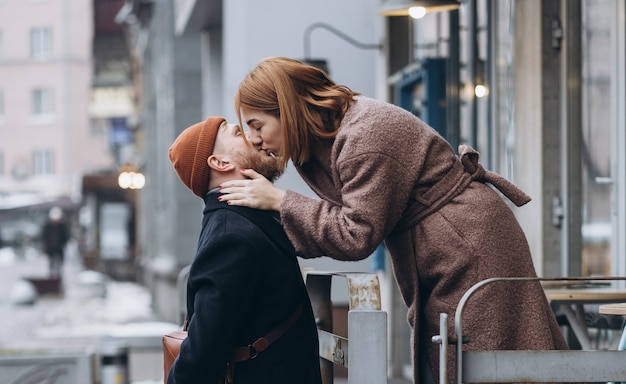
(480, 86)
(417, 8)
(130, 177)
(322, 63)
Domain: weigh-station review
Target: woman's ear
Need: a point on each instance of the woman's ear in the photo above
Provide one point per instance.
(218, 164)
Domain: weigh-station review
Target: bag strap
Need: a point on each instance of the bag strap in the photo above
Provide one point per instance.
(261, 344)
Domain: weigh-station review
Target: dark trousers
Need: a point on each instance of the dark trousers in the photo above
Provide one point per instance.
(55, 264)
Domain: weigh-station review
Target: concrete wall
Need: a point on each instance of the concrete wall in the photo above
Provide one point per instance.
(254, 30)
(531, 145)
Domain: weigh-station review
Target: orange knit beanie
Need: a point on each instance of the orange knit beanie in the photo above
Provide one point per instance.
(190, 151)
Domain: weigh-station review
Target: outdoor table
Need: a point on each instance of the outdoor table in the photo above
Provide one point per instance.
(572, 300)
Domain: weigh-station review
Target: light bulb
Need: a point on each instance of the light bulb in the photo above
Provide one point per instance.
(124, 180)
(138, 180)
(417, 12)
(480, 90)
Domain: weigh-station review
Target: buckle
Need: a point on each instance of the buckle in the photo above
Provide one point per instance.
(253, 351)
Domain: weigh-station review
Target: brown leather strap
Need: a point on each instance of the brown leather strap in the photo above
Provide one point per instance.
(261, 344)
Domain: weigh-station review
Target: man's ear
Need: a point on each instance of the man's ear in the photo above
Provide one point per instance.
(218, 164)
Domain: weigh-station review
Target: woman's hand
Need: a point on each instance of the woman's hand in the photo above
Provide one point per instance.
(255, 192)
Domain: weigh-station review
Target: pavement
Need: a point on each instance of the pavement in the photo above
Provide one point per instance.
(91, 315)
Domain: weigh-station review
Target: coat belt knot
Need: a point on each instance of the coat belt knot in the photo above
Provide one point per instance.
(469, 159)
(465, 171)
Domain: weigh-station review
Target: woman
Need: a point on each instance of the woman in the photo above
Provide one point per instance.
(383, 174)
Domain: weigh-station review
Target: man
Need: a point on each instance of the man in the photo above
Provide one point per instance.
(245, 284)
(55, 236)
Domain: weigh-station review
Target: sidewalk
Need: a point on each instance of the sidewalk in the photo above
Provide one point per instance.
(91, 312)
(19, 323)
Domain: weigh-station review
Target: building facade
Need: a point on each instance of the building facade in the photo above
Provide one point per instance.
(67, 111)
(47, 140)
(550, 117)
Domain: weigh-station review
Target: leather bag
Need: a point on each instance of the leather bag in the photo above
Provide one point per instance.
(171, 349)
(173, 340)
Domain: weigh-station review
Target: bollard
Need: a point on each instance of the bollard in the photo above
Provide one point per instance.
(114, 364)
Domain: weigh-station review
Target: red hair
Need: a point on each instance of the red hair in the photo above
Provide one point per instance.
(305, 99)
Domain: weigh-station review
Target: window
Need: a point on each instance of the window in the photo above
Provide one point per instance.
(43, 162)
(42, 102)
(40, 43)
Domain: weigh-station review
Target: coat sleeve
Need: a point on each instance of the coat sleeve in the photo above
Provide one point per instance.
(353, 228)
(377, 161)
(221, 280)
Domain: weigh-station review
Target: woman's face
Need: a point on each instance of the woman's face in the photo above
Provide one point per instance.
(265, 132)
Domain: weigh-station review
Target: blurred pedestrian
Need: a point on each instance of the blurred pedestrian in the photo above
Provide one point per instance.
(55, 235)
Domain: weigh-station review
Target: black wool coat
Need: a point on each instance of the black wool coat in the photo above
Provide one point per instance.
(243, 282)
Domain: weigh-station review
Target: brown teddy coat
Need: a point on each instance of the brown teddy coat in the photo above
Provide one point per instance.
(389, 176)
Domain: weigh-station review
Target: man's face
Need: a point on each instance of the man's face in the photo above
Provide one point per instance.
(231, 144)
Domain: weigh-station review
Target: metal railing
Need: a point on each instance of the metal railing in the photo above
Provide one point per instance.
(525, 366)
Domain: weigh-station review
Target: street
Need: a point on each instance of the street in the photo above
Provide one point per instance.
(90, 314)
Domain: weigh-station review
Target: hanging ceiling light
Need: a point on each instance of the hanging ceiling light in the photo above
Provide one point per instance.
(417, 8)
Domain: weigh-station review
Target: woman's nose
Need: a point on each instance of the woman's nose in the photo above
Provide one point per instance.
(255, 139)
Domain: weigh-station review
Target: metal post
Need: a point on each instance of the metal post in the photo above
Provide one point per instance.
(472, 21)
(181, 291)
(453, 82)
(367, 328)
(319, 293)
(571, 137)
(114, 364)
(618, 155)
(367, 334)
(493, 111)
(442, 340)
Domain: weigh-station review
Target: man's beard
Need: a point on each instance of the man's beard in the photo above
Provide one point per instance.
(267, 166)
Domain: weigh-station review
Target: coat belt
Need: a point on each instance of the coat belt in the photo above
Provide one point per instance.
(464, 171)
